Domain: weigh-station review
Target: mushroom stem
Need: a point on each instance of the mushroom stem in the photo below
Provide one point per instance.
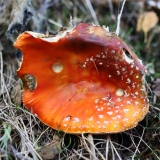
(92, 147)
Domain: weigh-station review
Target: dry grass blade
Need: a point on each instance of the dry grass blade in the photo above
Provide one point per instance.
(107, 146)
(89, 6)
(91, 148)
(141, 140)
(119, 18)
(93, 155)
(50, 20)
(137, 150)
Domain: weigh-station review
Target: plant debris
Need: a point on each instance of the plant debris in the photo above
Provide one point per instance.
(20, 15)
(146, 22)
(49, 151)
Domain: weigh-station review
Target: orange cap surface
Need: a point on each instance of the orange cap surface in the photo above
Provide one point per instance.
(85, 80)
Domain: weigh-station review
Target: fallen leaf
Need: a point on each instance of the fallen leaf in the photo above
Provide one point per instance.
(50, 150)
(16, 94)
(146, 22)
(156, 88)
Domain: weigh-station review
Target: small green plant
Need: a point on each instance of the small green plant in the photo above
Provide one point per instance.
(6, 137)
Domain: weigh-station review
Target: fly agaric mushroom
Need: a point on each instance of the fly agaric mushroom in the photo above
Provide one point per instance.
(83, 80)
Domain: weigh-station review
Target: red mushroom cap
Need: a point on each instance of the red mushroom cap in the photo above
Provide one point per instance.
(85, 80)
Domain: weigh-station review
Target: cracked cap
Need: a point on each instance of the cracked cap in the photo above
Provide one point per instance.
(83, 80)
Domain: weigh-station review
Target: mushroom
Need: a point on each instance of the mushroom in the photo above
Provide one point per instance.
(83, 80)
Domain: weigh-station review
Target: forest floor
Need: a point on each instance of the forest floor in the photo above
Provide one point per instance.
(23, 136)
